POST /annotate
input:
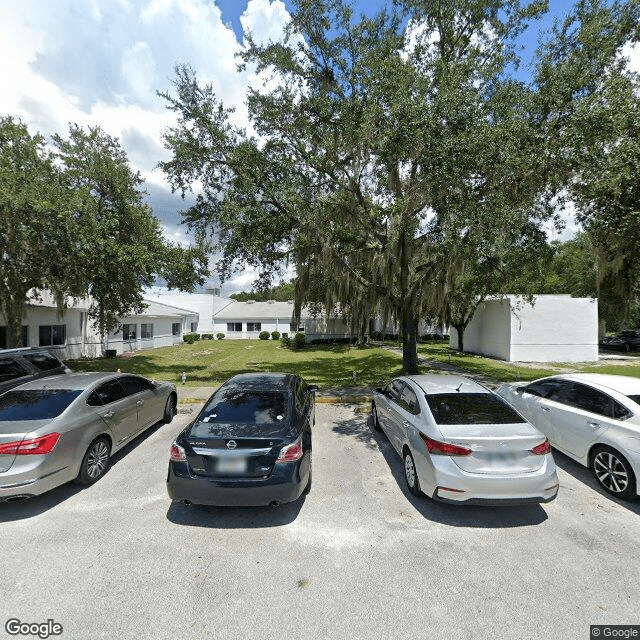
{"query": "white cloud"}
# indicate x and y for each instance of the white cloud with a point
(632, 53)
(138, 68)
(265, 20)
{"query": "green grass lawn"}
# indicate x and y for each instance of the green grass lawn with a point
(511, 372)
(211, 362)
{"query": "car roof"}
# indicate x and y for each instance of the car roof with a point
(67, 381)
(627, 385)
(446, 383)
(263, 381)
(18, 351)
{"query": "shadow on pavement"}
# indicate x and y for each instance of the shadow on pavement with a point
(454, 515)
(586, 476)
(234, 517)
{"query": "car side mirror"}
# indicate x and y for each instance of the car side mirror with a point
(520, 389)
(312, 387)
(379, 390)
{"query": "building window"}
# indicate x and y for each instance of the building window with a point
(292, 328)
(128, 331)
(146, 331)
(234, 326)
(175, 329)
(52, 335)
(254, 326)
(194, 327)
(24, 337)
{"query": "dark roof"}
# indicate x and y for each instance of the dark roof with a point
(263, 381)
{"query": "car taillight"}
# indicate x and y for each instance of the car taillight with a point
(177, 453)
(36, 447)
(291, 452)
(442, 448)
(541, 449)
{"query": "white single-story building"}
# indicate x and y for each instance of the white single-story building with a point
(72, 334)
(557, 328)
(248, 319)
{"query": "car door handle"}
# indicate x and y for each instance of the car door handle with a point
(594, 425)
(405, 424)
(545, 408)
(140, 403)
(109, 414)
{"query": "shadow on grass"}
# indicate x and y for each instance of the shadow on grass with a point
(10, 511)
(473, 516)
(234, 517)
(586, 476)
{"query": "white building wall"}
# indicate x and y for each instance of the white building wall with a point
(276, 324)
(489, 331)
(555, 329)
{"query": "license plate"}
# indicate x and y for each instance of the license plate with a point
(231, 465)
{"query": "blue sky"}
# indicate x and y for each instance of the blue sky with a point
(102, 61)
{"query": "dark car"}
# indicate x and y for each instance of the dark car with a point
(18, 366)
(624, 341)
(249, 446)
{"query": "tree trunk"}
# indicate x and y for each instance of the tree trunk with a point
(460, 328)
(409, 343)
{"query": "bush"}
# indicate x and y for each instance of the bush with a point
(263, 335)
(299, 341)
(207, 336)
(191, 337)
(275, 335)
(220, 336)
(285, 341)
(285, 334)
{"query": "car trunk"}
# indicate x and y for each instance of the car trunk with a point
(235, 450)
(501, 449)
(15, 431)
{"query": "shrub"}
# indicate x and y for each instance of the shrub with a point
(299, 341)
(191, 337)
(285, 341)
(207, 336)
(220, 336)
(264, 335)
(275, 335)
(285, 334)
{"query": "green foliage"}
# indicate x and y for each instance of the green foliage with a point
(264, 335)
(299, 341)
(207, 336)
(275, 335)
(220, 336)
(190, 338)
(285, 341)
(282, 292)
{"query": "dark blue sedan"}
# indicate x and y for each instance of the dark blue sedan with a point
(249, 446)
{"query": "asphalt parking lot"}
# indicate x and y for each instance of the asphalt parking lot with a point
(358, 558)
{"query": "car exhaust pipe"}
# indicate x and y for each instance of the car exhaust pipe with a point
(16, 498)
(274, 503)
(186, 503)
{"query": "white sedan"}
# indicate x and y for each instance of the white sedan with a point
(461, 443)
(593, 418)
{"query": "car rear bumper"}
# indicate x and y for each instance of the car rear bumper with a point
(285, 484)
(31, 481)
(448, 483)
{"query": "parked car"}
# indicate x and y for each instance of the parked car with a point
(249, 446)
(66, 428)
(624, 341)
(18, 366)
(593, 418)
(461, 443)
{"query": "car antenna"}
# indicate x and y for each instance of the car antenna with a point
(458, 387)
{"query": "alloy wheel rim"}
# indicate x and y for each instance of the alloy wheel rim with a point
(409, 470)
(97, 460)
(610, 472)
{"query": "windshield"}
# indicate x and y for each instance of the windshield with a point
(471, 408)
(35, 404)
(635, 398)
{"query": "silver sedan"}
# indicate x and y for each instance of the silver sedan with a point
(66, 427)
(593, 418)
(461, 443)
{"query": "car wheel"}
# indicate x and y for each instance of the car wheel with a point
(95, 462)
(410, 473)
(613, 473)
(627, 348)
(307, 489)
(170, 409)
(374, 415)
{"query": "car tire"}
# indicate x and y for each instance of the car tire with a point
(410, 474)
(170, 409)
(613, 473)
(96, 462)
(374, 415)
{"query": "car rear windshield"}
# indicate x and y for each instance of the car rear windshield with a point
(35, 404)
(471, 408)
(248, 407)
